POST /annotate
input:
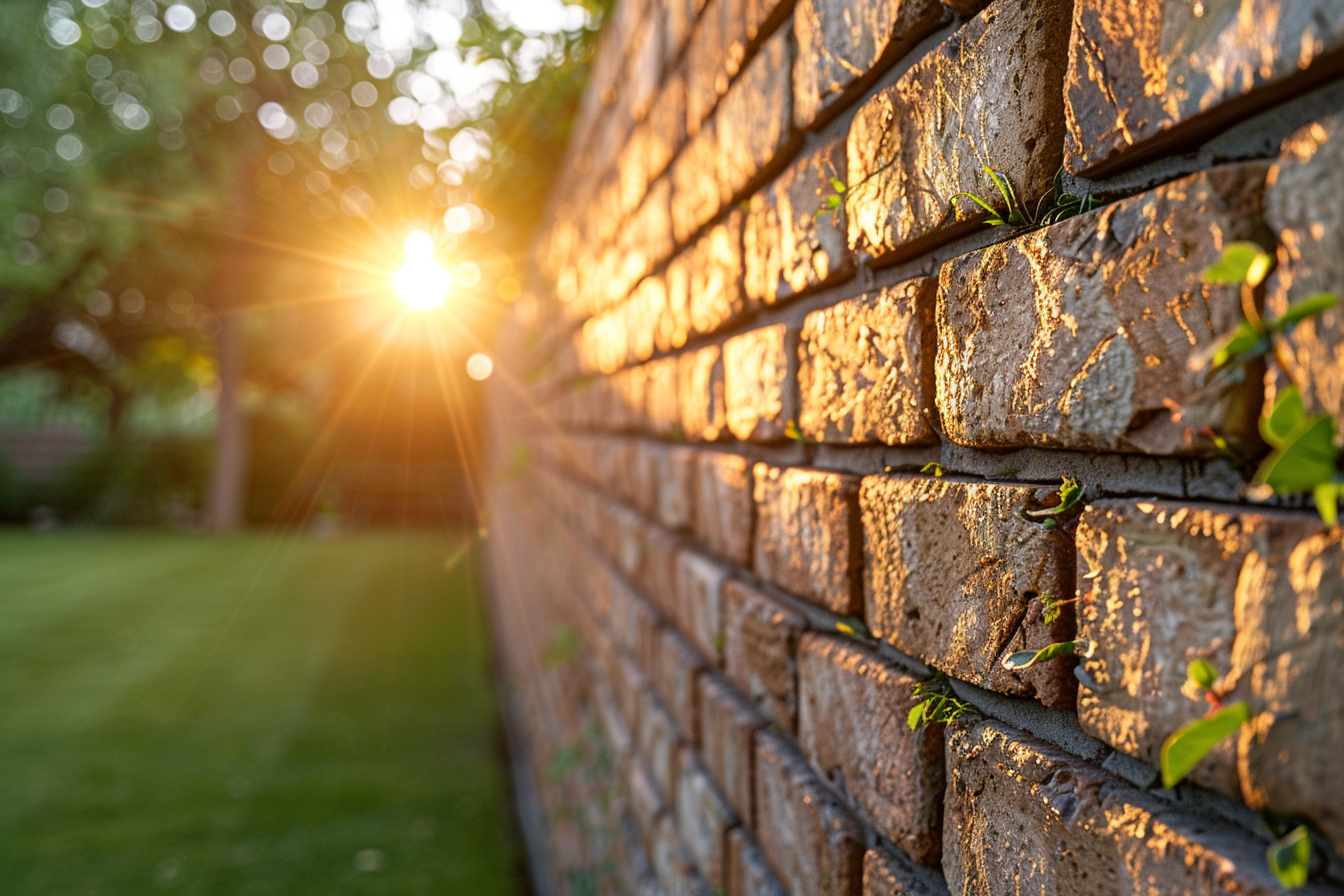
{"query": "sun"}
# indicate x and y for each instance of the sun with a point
(422, 283)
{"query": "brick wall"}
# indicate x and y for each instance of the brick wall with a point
(719, 558)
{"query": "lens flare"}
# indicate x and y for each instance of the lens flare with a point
(479, 366)
(422, 282)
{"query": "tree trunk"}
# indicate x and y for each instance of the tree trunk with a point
(228, 481)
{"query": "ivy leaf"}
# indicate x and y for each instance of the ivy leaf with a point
(1304, 308)
(1289, 857)
(1305, 458)
(1326, 495)
(1244, 344)
(1240, 262)
(1025, 659)
(1287, 414)
(1202, 674)
(1184, 747)
(915, 716)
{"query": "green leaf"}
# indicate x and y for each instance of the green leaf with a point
(933, 467)
(792, 431)
(915, 716)
(1305, 459)
(1183, 749)
(1202, 673)
(1239, 261)
(1070, 493)
(1288, 413)
(837, 185)
(978, 201)
(1242, 345)
(1308, 307)
(1326, 495)
(1025, 659)
(1289, 857)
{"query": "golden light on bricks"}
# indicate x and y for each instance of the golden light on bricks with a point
(422, 283)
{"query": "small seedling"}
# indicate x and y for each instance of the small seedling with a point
(792, 431)
(832, 203)
(854, 628)
(1056, 205)
(1016, 214)
(1025, 659)
(935, 703)
(934, 468)
(1185, 747)
(1305, 457)
(1289, 857)
(1052, 607)
(1070, 492)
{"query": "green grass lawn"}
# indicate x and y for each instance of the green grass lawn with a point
(251, 715)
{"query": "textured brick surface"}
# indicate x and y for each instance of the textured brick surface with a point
(656, 741)
(1304, 203)
(852, 711)
(1145, 78)
(700, 602)
(728, 724)
(757, 392)
(1082, 335)
(672, 865)
(761, 650)
(716, 296)
(696, 195)
(700, 394)
(810, 839)
(953, 574)
(792, 242)
(807, 535)
(753, 123)
(724, 508)
(679, 666)
(866, 368)
(703, 819)
(1261, 595)
(842, 44)
(1010, 796)
(749, 873)
(886, 873)
(989, 95)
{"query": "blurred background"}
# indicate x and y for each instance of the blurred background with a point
(252, 258)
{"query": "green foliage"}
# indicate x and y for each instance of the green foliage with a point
(1305, 457)
(1241, 262)
(1052, 607)
(1202, 674)
(1025, 659)
(1289, 857)
(935, 703)
(1069, 493)
(1015, 214)
(855, 628)
(151, 480)
(934, 468)
(832, 203)
(1183, 749)
(564, 646)
(792, 431)
(1055, 206)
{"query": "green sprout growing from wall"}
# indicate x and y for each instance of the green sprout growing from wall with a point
(832, 202)
(1056, 205)
(1025, 659)
(935, 703)
(1069, 493)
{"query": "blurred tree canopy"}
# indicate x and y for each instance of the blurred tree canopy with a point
(172, 168)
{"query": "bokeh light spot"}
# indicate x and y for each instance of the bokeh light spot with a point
(479, 366)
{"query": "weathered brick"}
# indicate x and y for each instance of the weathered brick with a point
(866, 368)
(807, 535)
(656, 742)
(673, 328)
(700, 602)
(810, 839)
(761, 651)
(1261, 595)
(990, 95)
(758, 394)
(792, 242)
(1304, 204)
(753, 123)
(1144, 80)
(675, 469)
(661, 410)
(629, 683)
(842, 45)
(728, 724)
(1086, 334)
(1026, 817)
(703, 819)
(679, 667)
(644, 66)
(647, 804)
(852, 710)
(724, 509)
(885, 873)
(676, 875)
(717, 48)
(700, 394)
(696, 194)
(748, 872)
(716, 296)
(665, 128)
(953, 572)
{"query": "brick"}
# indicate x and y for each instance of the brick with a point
(666, 125)
(728, 724)
(808, 537)
(843, 44)
(749, 873)
(672, 866)
(700, 602)
(761, 651)
(1118, 317)
(696, 194)
(1258, 593)
(753, 123)
(661, 409)
(634, 872)
(1145, 81)
(714, 56)
(812, 842)
(675, 468)
(642, 477)
(673, 327)
(716, 296)
(634, 621)
(679, 667)
(1304, 204)
(642, 312)
(991, 94)
(792, 242)
(703, 819)
(866, 368)
(656, 742)
(724, 508)
(644, 66)
(629, 683)
(887, 872)
(952, 575)
(700, 394)
(1026, 817)
(852, 710)
(757, 390)
(647, 803)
